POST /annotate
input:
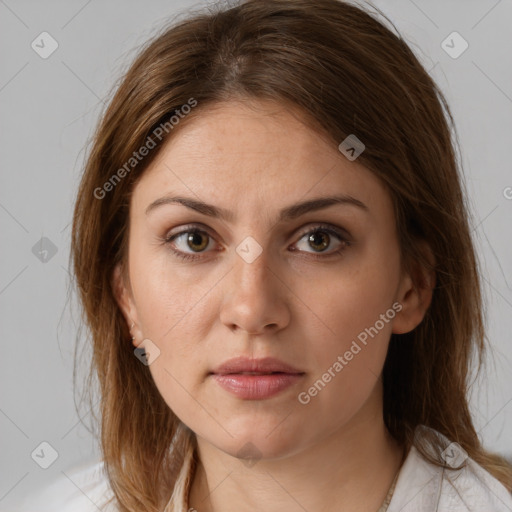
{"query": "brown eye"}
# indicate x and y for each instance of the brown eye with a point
(189, 244)
(319, 240)
(197, 240)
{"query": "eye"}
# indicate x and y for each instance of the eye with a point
(198, 240)
(195, 239)
(320, 238)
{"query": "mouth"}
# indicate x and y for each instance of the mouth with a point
(256, 379)
(255, 373)
(248, 366)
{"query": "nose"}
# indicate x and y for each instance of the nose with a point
(255, 297)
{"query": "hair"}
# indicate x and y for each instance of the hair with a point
(346, 73)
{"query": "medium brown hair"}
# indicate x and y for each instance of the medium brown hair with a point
(348, 74)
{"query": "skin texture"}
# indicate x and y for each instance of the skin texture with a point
(334, 453)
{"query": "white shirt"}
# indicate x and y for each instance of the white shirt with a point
(421, 487)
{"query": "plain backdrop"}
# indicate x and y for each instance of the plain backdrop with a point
(48, 110)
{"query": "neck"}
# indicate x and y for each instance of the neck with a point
(350, 470)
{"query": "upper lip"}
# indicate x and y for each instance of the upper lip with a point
(245, 364)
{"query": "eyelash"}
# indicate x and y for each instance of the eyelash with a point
(324, 228)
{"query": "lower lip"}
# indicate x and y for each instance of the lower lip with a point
(256, 387)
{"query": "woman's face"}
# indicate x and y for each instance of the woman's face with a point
(261, 284)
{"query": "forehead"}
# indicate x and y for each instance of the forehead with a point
(254, 156)
(249, 138)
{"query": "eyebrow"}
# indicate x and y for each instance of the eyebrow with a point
(286, 214)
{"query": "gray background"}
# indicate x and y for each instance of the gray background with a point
(49, 108)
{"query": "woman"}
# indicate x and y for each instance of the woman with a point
(272, 249)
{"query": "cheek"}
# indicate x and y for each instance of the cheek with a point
(357, 314)
(171, 312)
(179, 391)
(168, 294)
(346, 365)
(353, 300)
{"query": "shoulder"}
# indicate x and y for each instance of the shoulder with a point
(82, 488)
(423, 486)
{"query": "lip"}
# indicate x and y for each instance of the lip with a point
(246, 364)
(256, 379)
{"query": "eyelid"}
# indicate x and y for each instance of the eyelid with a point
(330, 228)
(187, 228)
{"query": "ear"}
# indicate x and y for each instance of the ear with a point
(124, 298)
(415, 292)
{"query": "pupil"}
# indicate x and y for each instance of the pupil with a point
(194, 238)
(313, 238)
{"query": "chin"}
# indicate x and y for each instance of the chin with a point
(251, 449)
(263, 440)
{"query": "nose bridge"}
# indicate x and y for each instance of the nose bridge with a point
(252, 264)
(253, 300)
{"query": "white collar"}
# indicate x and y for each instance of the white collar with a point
(424, 487)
